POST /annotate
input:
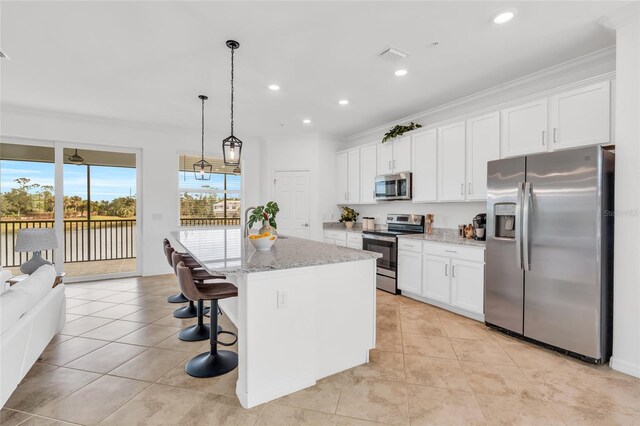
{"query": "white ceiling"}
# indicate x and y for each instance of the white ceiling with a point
(148, 61)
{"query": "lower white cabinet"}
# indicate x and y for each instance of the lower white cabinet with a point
(447, 275)
(343, 239)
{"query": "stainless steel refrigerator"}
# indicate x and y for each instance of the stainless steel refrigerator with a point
(549, 268)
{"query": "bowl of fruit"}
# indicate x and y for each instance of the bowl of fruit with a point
(262, 241)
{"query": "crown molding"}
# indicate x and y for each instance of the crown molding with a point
(622, 16)
(530, 80)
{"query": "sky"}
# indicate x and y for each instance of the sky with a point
(107, 183)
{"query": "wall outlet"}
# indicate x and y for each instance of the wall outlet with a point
(283, 299)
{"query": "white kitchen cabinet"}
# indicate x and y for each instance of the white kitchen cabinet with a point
(410, 271)
(435, 284)
(524, 129)
(338, 238)
(483, 145)
(402, 154)
(451, 162)
(385, 158)
(353, 176)
(425, 166)
(368, 172)
(342, 175)
(580, 117)
(467, 285)
(354, 240)
(394, 156)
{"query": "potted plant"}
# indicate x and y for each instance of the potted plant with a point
(348, 217)
(400, 130)
(266, 214)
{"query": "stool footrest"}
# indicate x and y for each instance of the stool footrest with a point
(230, 333)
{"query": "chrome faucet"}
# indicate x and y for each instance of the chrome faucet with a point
(246, 220)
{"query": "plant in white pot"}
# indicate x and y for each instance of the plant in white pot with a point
(348, 217)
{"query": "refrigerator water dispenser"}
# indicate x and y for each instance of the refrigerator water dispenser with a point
(505, 220)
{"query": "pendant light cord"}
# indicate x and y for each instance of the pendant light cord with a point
(202, 150)
(232, 51)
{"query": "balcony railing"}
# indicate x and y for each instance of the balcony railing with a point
(84, 241)
(209, 221)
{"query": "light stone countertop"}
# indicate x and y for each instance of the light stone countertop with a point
(442, 235)
(224, 250)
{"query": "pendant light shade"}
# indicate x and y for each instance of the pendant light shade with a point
(75, 158)
(202, 169)
(232, 146)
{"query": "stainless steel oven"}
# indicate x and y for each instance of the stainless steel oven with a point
(393, 187)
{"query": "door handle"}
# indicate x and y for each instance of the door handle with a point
(446, 270)
(469, 188)
(390, 165)
(554, 135)
(462, 189)
(518, 225)
(543, 137)
(453, 271)
(526, 213)
(306, 225)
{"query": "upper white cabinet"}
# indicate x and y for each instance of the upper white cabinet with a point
(483, 145)
(451, 162)
(348, 174)
(394, 156)
(580, 117)
(425, 166)
(524, 129)
(368, 164)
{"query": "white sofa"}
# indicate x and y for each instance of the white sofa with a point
(4, 276)
(31, 313)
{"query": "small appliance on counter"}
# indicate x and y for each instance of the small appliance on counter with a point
(479, 226)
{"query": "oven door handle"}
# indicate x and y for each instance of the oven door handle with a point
(378, 238)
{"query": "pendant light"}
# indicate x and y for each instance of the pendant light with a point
(202, 169)
(75, 158)
(232, 146)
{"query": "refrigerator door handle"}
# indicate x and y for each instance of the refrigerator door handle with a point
(518, 225)
(526, 217)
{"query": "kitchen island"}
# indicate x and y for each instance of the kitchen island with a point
(305, 310)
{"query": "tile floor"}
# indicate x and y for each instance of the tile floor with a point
(118, 362)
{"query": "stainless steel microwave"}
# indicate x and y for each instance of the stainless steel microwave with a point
(393, 187)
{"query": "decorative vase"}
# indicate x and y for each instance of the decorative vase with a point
(267, 228)
(349, 225)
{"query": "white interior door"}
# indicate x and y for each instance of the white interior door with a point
(291, 192)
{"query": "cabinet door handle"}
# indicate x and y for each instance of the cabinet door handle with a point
(451, 251)
(389, 164)
(462, 189)
(453, 271)
(554, 136)
(345, 196)
(394, 164)
(543, 132)
(446, 270)
(469, 188)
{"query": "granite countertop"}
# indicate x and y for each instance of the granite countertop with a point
(441, 235)
(337, 226)
(224, 250)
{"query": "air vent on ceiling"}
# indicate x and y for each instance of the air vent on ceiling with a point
(394, 54)
(4, 55)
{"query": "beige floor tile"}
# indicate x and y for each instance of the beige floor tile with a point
(95, 294)
(118, 311)
(149, 335)
(429, 327)
(90, 308)
(375, 400)
(107, 358)
(221, 410)
(279, 415)
(420, 344)
(583, 416)
(383, 298)
(39, 390)
(435, 372)
(72, 349)
(72, 290)
(499, 410)
(323, 396)
(503, 380)
(528, 356)
(388, 325)
(157, 405)
(12, 418)
(350, 421)
(113, 330)
(94, 402)
(148, 315)
(72, 317)
(120, 297)
(382, 365)
(433, 406)
(177, 322)
(43, 421)
(226, 385)
(148, 300)
(485, 351)
(389, 341)
(59, 338)
(73, 303)
(150, 365)
(464, 328)
(174, 343)
(177, 376)
(38, 369)
(82, 325)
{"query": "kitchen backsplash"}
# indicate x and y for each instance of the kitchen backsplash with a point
(447, 215)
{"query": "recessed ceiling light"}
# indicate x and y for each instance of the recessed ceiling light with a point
(400, 73)
(503, 17)
(343, 102)
(306, 121)
(274, 87)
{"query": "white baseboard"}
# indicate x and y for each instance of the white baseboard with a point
(625, 367)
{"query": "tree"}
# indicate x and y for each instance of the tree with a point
(19, 201)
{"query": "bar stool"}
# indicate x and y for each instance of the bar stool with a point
(213, 363)
(189, 311)
(176, 298)
(200, 331)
